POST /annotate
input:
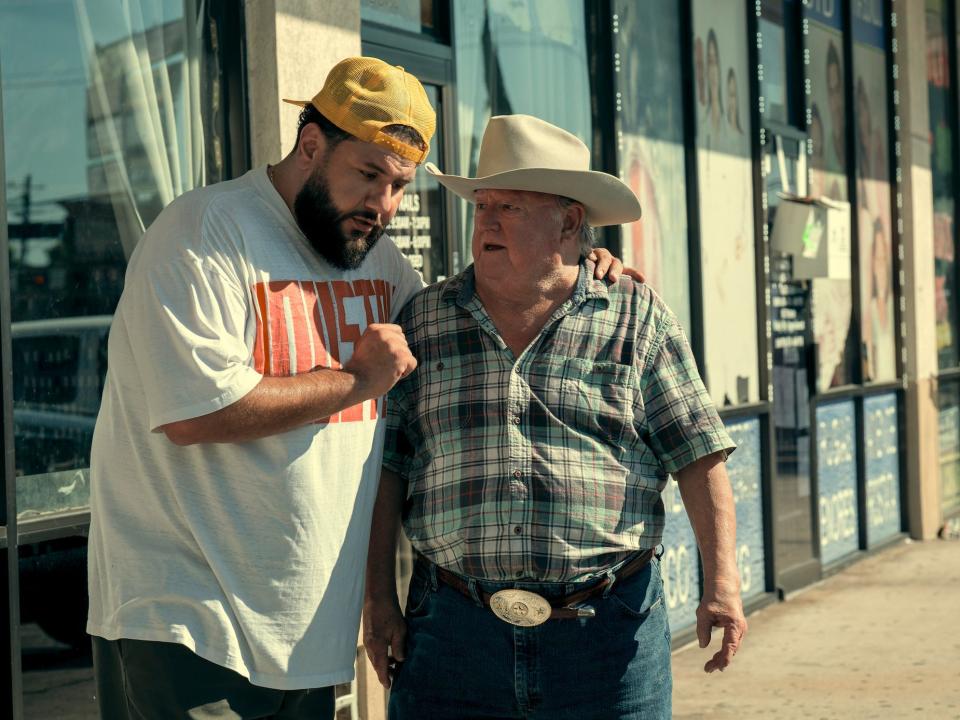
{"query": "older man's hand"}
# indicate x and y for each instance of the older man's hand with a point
(721, 608)
(384, 636)
(610, 267)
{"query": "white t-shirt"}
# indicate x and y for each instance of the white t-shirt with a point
(251, 554)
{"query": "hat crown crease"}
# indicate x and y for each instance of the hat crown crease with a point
(510, 146)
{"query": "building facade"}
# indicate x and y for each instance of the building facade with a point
(796, 161)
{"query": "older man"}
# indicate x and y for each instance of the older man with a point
(526, 455)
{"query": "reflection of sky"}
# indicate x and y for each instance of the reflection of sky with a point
(44, 75)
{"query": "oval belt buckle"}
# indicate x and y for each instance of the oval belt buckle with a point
(520, 607)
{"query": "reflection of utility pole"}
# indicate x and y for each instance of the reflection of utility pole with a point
(26, 197)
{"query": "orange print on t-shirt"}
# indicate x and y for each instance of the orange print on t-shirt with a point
(303, 325)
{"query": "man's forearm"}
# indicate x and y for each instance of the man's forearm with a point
(275, 405)
(708, 499)
(384, 531)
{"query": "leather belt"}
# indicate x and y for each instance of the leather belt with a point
(520, 607)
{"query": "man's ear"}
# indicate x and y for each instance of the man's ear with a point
(312, 144)
(574, 215)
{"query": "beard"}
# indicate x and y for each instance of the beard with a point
(321, 222)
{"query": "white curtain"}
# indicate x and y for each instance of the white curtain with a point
(145, 135)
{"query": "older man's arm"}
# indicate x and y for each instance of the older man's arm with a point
(384, 629)
(708, 499)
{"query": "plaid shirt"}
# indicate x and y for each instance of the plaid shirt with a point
(546, 467)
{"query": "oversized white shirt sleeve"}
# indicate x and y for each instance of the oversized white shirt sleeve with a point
(186, 322)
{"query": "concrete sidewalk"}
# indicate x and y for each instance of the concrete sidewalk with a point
(881, 639)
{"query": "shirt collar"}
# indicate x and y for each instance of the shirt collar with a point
(462, 288)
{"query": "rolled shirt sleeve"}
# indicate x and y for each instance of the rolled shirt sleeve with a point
(682, 421)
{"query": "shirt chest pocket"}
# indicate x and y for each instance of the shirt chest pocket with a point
(597, 399)
(448, 398)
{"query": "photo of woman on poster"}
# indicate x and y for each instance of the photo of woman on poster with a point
(724, 169)
(714, 97)
(834, 334)
(733, 103)
(877, 326)
(651, 156)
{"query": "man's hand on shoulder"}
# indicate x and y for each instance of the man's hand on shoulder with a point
(721, 607)
(610, 267)
(384, 636)
(380, 359)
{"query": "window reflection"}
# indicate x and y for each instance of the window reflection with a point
(515, 57)
(651, 157)
(108, 116)
(941, 166)
(832, 298)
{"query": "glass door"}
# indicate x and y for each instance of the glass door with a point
(794, 361)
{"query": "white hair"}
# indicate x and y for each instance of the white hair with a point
(588, 236)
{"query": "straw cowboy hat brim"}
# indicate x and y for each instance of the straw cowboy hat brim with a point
(521, 152)
(605, 197)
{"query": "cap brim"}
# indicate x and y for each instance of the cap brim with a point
(298, 103)
(607, 199)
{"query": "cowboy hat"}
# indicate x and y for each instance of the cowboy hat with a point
(520, 152)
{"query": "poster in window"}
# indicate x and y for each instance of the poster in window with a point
(826, 117)
(939, 99)
(724, 170)
(878, 323)
(650, 151)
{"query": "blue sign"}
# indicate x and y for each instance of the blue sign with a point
(868, 25)
(680, 562)
(825, 12)
(837, 478)
(745, 473)
(882, 453)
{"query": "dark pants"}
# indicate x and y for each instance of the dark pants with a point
(139, 680)
(462, 662)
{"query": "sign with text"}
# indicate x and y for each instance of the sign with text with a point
(680, 562)
(837, 476)
(882, 453)
(744, 470)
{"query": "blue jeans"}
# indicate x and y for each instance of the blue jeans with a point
(463, 662)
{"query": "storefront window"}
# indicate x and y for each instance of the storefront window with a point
(416, 16)
(108, 110)
(826, 123)
(949, 420)
(941, 166)
(774, 77)
(650, 153)
(874, 220)
(418, 228)
(512, 57)
(725, 178)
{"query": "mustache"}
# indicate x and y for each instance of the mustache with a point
(370, 217)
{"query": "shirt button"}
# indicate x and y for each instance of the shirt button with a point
(439, 366)
(517, 474)
(517, 530)
(519, 573)
(516, 420)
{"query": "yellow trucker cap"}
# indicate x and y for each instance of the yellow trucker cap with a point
(362, 95)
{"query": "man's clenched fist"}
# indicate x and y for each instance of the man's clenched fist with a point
(380, 359)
